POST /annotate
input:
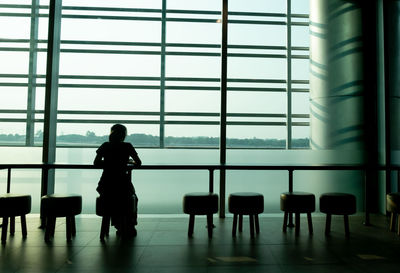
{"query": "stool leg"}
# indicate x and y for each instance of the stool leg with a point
(4, 230)
(53, 226)
(209, 225)
(50, 228)
(297, 223)
(12, 225)
(310, 226)
(290, 224)
(257, 224)
(69, 229)
(285, 219)
(240, 222)
(346, 225)
(191, 225)
(392, 220)
(23, 226)
(398, 225)
(47, 229)
(73, 226)
(251, 218)
(234, 225)
(328, 224)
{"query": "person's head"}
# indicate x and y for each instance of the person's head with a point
(118, 133)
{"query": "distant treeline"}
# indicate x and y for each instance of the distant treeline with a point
(145, 140)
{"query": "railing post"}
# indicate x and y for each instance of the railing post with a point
(8, 180)
(290, 224)
(366, 199)
(211, 180)
(398, 180)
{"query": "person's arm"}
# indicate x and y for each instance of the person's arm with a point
(136, 159)
(133, 154)
(98, 161)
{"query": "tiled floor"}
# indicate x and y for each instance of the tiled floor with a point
(162, 245)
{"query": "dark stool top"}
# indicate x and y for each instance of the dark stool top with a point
(246, 203)
(393, 202)
(337, 203)
(14, 204)
(200, 203)
(300, 202)
(109, 208)
(61, 205)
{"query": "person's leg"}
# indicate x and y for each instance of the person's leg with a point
(134, 218)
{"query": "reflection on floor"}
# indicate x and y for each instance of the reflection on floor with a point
(162, 245)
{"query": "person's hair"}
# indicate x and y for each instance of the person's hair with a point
(118, 133)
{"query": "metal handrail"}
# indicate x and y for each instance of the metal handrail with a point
(212, 168)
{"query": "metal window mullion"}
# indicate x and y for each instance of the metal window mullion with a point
(223, 113)
(162, 73)
(30, 117)
(289, 75)
(51, 95)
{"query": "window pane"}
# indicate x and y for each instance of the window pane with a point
(256, 102)
(191, 131)
(115, 3)
(194, 33)
(185, 66)
(13, 97)
(270, 6)
(300, 36)
(300, 69)
(256, 136)
(12, 133)
(194, 101)
(301, 136)
(17, 27)
(253, 34)
(93, 134)
(301, 103)
(14, 62)
(108, 100)
(111, 30)
(107, 64)
(300, 6)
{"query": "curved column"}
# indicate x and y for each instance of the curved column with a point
(336, 75)
(338, 93)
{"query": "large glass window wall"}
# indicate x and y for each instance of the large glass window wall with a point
(155, 66)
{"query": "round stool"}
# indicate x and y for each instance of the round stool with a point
(298, 202)
(393, 206)
(106, 210)
(246, 203)
(200, 203)
(58, 205)
(12, 205)
(337, 204)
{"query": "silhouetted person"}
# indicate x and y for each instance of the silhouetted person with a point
(115, 185)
